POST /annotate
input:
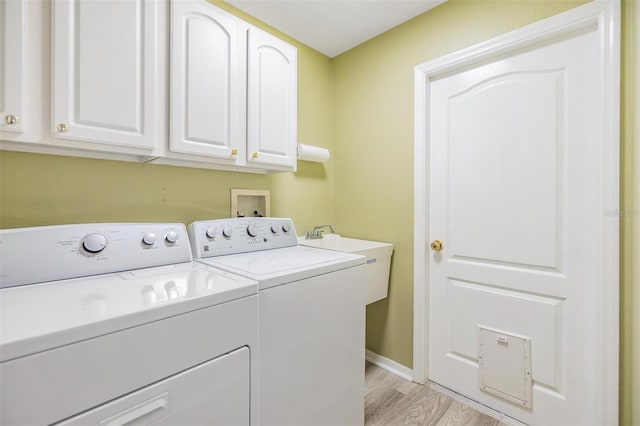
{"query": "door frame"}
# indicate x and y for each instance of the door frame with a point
(604, 15)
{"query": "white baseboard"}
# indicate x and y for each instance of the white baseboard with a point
(389, 365)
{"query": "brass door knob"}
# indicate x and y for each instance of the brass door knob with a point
(436, 245)
(234, 152)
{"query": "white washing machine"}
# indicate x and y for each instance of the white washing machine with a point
(114, 324)
(311, 320)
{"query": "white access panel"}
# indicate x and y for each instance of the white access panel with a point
(504, 361)
(222, 398)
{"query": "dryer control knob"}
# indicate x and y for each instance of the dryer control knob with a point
(252, 230)
(274, 229)
(211, 232)
(94, 243)
(286, 228)
(227, 231)
(149, 238)
(171, 237)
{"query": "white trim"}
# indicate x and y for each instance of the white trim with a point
(606, 15)
(609, 309)
(421, 216)
(389, 365)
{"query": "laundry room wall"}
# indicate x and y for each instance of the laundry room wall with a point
(40, 190)
(361, 106)
(373, 151)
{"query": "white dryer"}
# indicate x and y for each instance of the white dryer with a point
(311, 321)
(115, 324)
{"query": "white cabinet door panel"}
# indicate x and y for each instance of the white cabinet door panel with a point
(104, 71)
(207, 81)
(272, 101)
(12, 67)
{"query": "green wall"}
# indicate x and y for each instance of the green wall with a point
(630, 216)
(373, 139)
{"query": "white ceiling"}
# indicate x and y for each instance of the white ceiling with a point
(334, 26)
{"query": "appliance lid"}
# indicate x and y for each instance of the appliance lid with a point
(279, 266)
(42, 316)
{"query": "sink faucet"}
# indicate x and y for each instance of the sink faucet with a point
(316, 234)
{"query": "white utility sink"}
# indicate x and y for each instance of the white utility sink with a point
(378, 260)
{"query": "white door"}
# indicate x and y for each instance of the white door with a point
(12, 65)
(104, 71)
(516, 190)
(208, 80)
(272, 101)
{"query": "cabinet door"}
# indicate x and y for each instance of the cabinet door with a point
(12, 65)
(207, 81)
(104, 71)
(272, 101)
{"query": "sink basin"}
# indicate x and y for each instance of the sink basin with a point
(378, 256)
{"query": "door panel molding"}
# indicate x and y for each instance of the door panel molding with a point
(604, 18)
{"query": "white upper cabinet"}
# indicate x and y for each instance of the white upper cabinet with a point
(233, 93)
(178, 82)
(12, 65)
(104, 71)
(207, 82)
(272, 101)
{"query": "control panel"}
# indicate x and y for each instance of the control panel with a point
(48, 253)
(240, 235)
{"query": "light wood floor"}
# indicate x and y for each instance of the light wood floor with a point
(391, 400)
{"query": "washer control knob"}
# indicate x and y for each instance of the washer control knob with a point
(286, 228)
(149, 238)
(171, 237)
(274, 229)
(211, 232)
(94, 243)
(252, 230)
(227, 231)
